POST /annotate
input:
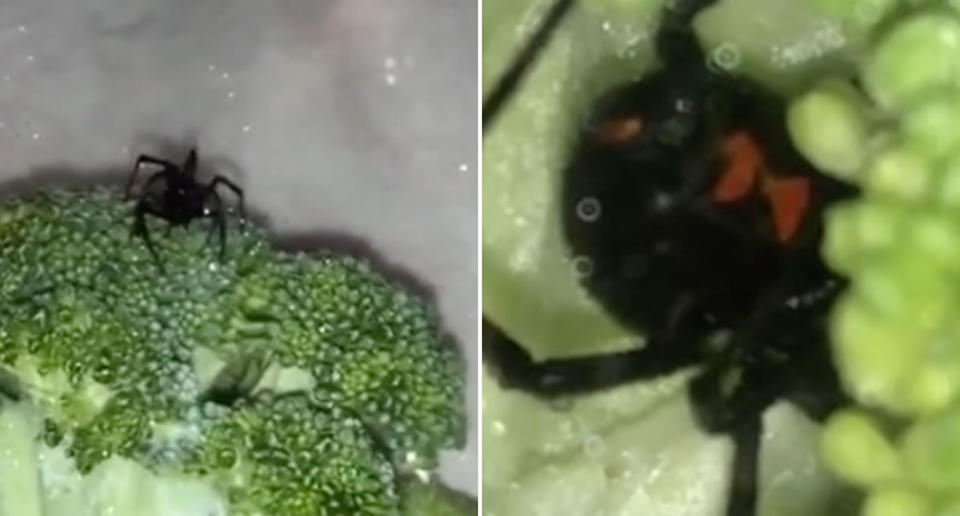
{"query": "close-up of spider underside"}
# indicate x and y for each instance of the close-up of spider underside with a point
(700, 228)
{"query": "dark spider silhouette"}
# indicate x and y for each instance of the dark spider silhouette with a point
(702, 225)
(174, 194)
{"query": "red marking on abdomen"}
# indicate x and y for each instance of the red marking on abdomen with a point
(789, 199)
(744, 161)
(620, 130)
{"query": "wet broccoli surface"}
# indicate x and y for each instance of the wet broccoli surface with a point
(292, 383)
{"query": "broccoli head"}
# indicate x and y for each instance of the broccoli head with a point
(290, 384)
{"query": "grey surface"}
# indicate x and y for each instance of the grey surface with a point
(356, 117)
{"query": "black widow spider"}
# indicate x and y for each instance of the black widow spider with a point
(174, 194)
(701, 226)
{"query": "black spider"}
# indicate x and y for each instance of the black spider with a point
(174, 194)
(697, 224)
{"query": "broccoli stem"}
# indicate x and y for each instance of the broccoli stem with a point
(20, 493)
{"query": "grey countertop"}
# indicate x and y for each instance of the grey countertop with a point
(351, 118)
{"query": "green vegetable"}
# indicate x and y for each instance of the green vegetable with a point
(856, 448)
(896, 335)
(271, 383)
(638, 450)
(931, 451)
(858, 15)
(896, 502)
(914, 58)
(827, 125)
(930, 126)
(901, 173)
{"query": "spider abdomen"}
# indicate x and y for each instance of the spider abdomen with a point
(685, 235)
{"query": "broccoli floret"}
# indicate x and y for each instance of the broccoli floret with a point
(295, 455)
(895, 332)
(291, 383)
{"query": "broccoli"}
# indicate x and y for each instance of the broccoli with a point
(896, 337)
(267, 383)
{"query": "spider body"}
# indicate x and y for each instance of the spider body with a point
(695, 222)
(175, 195)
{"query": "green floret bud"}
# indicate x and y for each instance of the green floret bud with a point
(931, 127)
(859, 14)
(872, 358)
(931, 451)
(917, 56)
(895, 335)
(861, 231)
(829, 126)
(853, 445)
(896, 502)
(119, 430)
(899, 173)
(293, 384)
(948, 189)
(949, 508)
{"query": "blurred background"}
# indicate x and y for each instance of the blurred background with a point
(349, 123)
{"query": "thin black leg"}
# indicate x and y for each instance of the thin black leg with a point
(816, 388)
(143, 209)
(561, 377)
(686, 10)
(190, 164)
(221, 180)
(218, 223)
(221, 222)
(735, 389)
(676, 42)
(140, 230)
(743, 478)
(141, 160)
(511, 79)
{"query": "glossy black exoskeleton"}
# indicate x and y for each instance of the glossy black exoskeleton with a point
(174, 194)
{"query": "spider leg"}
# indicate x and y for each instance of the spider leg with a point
(141, 160)
(514, 74)
(724, 395)
(685, 10)
(558, 377)
(219, 225)
(190, 164)
(816, 389)
(221, 180)
(751, 374)
(676, 42)
(808, 378)
(742, 499)
(140, 229)
(144, 208)
(222, 229)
